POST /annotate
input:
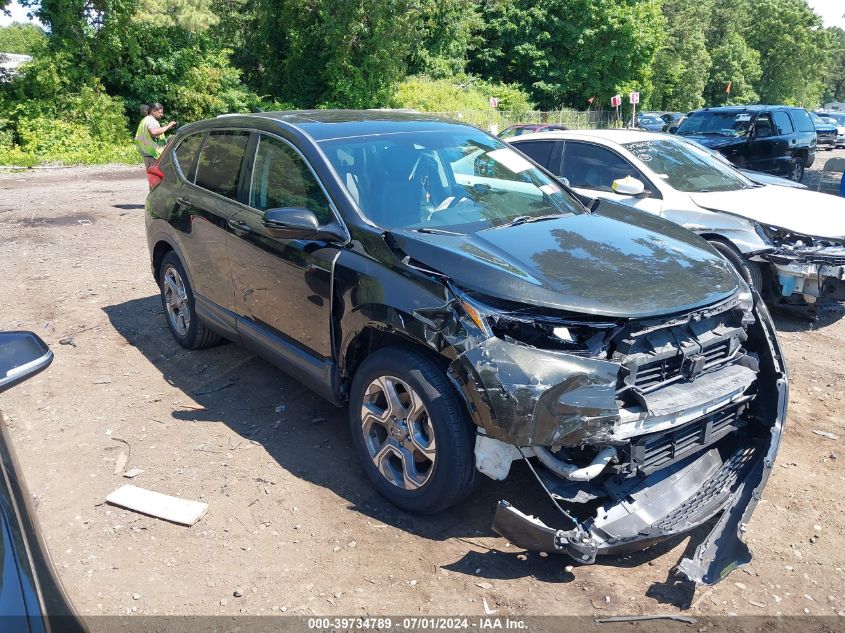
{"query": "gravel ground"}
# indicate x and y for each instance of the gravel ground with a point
(293, 527)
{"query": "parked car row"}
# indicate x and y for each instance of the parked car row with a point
(470, 311)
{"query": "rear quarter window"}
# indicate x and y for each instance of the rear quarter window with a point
(186, 154)
(802, 120)
(538, 151)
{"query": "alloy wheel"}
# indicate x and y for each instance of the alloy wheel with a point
(398, 432)
(176, 301)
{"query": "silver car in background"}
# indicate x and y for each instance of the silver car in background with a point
(789, 243)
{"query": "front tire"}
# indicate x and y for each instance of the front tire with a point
(177, 298)
(748, 270)
(411, 431)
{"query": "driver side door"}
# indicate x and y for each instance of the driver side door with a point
(283, 286)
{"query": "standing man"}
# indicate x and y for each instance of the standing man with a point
(150, 133)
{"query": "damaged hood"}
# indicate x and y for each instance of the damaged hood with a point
(805, 212)
(616, 262)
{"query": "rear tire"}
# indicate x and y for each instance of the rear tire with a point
(411, 431)
(177, 299)
(748, 270)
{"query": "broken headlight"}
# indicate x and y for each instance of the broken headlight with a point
(522, 325)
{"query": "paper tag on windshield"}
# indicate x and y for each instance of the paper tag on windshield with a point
(510, 160)
(743, 117)
(550, 189)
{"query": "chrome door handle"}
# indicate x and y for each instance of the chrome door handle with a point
(239, 227)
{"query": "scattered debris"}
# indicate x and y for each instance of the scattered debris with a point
(156, 504)
(120, 464)
(132, 473)
(238, 593)
(642, 618)
(102, 380)
(484, 585)
(215, 390)
(825, 434)
(67, 340)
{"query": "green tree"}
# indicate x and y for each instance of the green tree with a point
(26, 39)
(835, 80)
(793, 49)
(446, 31)
(734, 62)
(334, 53)
(566, 51)
(681, 66)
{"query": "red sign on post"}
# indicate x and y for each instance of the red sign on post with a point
(615, 101)
(634, 98)
(494, 102)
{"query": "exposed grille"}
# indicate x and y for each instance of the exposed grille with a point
(826, 134)
(830, 260)
(650, 452)
(655, 373)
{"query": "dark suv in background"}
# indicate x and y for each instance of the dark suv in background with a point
(778, 140)
(471, 312)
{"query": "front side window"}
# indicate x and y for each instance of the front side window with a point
(716, 124)
(783, 124)
(763, 126)
(593, 167)
(186, 154)
(688, 168)
(282, 179)
(219, 163)
(458, 179)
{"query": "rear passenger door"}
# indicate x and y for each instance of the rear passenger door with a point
(282, 286)
(786, 145)
(205, 206)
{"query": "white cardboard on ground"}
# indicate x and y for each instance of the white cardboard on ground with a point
(159, 505)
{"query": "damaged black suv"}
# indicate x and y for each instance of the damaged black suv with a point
(472, 312)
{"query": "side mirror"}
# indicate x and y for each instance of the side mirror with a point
(298, 223)
(22, 355)
(628, 186)
(564, 181)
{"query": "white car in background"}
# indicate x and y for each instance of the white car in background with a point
(789, 243)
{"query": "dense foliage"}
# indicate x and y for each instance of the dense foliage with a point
(77, 101)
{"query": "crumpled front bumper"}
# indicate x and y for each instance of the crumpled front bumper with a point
(724, 480)
(816, 281)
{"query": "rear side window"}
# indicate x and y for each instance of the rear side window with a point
(281, 178)
(186, 155)
(802, 120)
(219, 164)
(539, 151)
(782, 123)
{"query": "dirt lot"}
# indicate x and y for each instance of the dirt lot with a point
(292, 524)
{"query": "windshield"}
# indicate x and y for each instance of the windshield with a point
(717, 123)
(817, 120)
(458, 180)
(837, 119)
(687, 168)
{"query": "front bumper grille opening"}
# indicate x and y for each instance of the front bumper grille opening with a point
(651, 375)
(652, 452)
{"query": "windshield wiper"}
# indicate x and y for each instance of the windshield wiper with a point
(425, 229)
(526, 219)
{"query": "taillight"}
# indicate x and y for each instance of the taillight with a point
(154, 176)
